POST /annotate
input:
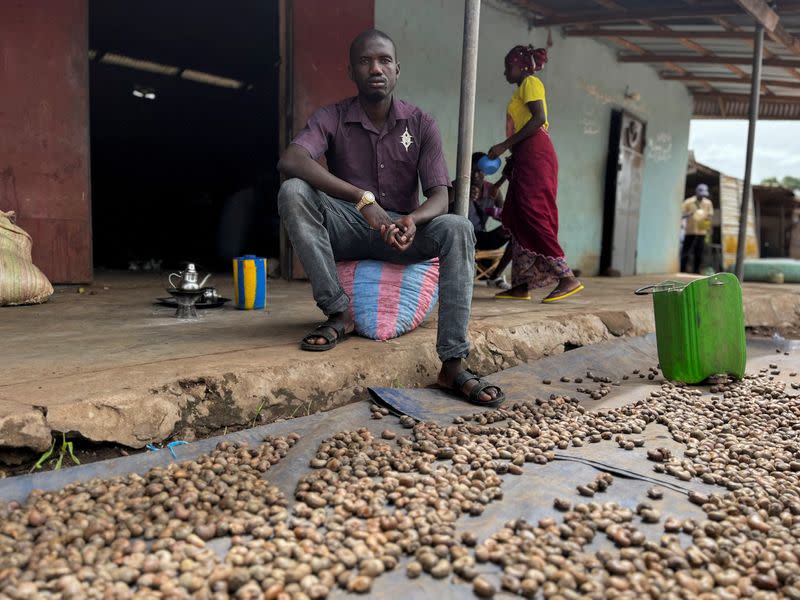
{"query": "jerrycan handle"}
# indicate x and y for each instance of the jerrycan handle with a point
(664, 286)
(646, 290)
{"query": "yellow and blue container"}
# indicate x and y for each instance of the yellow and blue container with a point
(250, 282)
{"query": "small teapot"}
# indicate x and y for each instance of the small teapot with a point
(187, 280)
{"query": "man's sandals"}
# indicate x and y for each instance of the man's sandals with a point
(474, 394)
(333, 333)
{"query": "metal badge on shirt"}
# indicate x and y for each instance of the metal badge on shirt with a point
(406, 139)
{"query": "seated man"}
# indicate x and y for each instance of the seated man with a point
(486, 200)
(366, 206)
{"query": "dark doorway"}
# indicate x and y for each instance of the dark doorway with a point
(623, 195)
(184, 131)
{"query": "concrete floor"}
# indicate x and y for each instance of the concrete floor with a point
(111, 366)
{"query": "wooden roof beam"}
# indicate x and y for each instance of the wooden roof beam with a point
(615, 16)
(536, 7)
(613, 5)
(731, 27)
(709, 60)
(746, 97)
(710, 9)
(761, 12)
(662, 34)
(692, 45)
(631, 46)
(737, 106)
(684, 40)
(728, 80)
(531, 9)
(721, 105)
(783, 37)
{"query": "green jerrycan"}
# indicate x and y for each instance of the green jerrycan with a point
(699, 327)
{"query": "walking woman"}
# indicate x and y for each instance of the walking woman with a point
(530, 213)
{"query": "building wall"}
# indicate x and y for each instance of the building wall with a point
(730, 198)
(322, 32)
(44, 125)
(584, 83)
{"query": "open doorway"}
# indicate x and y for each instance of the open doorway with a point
(184, 131)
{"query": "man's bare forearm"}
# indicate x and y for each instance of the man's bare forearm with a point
(297, 162)
(435, 206)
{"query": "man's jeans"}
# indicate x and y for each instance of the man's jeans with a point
(693, 248)
(324, 229)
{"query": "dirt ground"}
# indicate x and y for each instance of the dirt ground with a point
(790, 332)
(114, 371)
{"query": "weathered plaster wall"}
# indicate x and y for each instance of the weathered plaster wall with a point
(44, 131)
(584, 83)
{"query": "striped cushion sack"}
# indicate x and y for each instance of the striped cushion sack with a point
(21, 282)
(388, 300)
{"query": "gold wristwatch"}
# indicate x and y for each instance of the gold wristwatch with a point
(367, 198)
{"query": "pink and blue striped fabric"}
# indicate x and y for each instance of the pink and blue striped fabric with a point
(388, 300)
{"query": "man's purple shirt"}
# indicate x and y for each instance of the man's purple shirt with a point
(389, 163)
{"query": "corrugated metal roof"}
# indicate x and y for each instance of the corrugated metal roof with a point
(714, 30)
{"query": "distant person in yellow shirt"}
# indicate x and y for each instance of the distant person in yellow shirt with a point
(697, 211)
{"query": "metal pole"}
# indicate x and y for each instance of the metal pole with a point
(466, 113)
(747, 192)
(783, 230)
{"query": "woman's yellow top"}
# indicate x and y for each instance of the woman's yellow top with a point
(518, 113)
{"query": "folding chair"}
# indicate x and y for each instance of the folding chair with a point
(486, 261)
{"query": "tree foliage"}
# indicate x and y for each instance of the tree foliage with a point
(788, 182)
